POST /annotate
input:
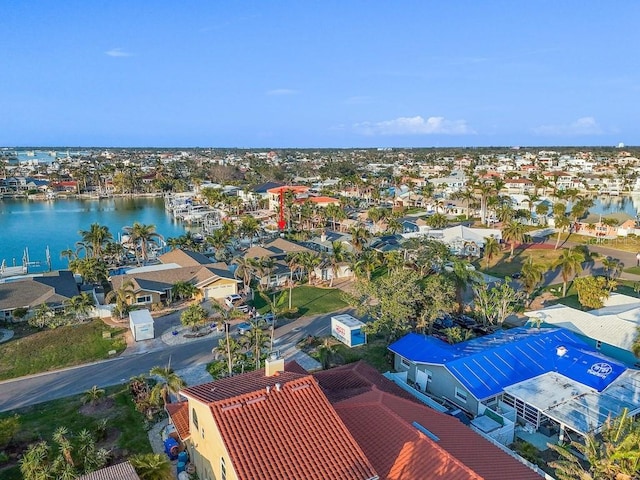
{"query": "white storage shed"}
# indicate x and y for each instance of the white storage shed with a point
(141, 324)
(348, 330)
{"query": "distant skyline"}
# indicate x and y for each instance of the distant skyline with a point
(252, 74)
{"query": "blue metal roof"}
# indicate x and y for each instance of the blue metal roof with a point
(486, 365)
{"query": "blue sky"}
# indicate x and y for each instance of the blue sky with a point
(319, 73)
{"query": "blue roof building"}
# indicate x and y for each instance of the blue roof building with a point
(481, 370)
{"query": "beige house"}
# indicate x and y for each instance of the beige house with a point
(152, 284)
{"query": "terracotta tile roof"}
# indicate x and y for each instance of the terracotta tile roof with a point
(354, 379)
(397, 449)
(179, 413)
(291, 432)
(458, 441)
(230, 387)
(121, 471)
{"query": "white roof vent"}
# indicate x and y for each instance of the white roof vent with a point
(561, 351)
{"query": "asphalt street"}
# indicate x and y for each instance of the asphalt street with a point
(25, 391)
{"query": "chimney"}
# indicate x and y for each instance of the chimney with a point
(273, 365)
(277, 387)
(323, 237)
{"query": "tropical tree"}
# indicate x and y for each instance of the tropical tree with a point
(249, 227)
(359, 237)
(277, 308)
(570, 263)
(337, 257)
(494, 304)
(79, 305)
(169, 384)
(635, 347)
(244, 270)
(364, 263)
(309, 261)
(93, 395)
(592, 291)
(491, 249)
(612, 267)
(437, 221)
(327, 352)
(614, 455)
(513, 232)
(97, 236)
(457, 334)
(152, 466)
(183, 289)
(193, 316)
(532, 275)
(463, 275)
(141, 236)
(124, 296)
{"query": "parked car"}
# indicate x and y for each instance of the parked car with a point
(267, 318)
(465, 321)
(441, 323)
(233, 299)
(244, 327)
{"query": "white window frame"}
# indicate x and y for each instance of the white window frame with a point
(461, 395)
(405, 363)
(144, 299)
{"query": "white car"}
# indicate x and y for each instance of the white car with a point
(232, 300)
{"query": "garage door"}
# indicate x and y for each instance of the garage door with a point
(219, 291)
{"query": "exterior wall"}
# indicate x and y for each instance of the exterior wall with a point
(155, 297)
(206, 447)
(442, 384)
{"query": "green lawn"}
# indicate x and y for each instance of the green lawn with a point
(308, 300)
(503, 266)
(58, 348)
(126, 434)
(633, 270)
(375, 353)
(625, 287)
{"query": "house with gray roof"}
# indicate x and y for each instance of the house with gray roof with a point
(53, 289)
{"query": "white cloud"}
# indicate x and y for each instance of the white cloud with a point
(117, 52)
(415, 126)
(282, 91)
(582, 126)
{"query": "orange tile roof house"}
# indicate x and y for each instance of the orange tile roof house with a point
(409, 440)
(272, 426)
(345, 423)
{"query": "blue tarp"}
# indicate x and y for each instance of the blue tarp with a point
(486, 365)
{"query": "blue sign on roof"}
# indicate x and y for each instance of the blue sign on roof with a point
(486, 365)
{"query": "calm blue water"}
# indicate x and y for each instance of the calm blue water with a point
(55, 223)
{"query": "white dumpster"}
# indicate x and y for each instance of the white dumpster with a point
(348, 330)
(141, 324)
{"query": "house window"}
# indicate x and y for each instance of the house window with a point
(223, 469)
(143, 299)
(405, 362)
(194, 418)
(598, 344)
(461, 395)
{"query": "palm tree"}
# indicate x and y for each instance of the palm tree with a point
(152, 466)
(310, 260)
(79, 305)
(570, 263)
(561, 224)
(437, 221)
(359, 237)
(635, 347)
(169, 384)
(463, 275)
(612, 267)
(244, 270)
(141, 236)
(532, 275)
(249, 227)
(96, 237)
(336, 257)
(124, 296)
(194, 316)
(68, 254)
(183, 289)
(93, 395)
(468, 196)
(277, 308)
(491, 249)
(513, 233)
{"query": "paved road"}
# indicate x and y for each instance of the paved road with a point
(49, 386)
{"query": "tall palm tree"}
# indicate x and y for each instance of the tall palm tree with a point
(249, 227)
(561, 224)
(468, 196)
(570, 263)
(244, 270)
(491, 249)
(532, 275)
(169, 384)
(359, 237)
(365, 263)
(336, 257)
(513, 233)
(463, 276)
(141, 236)
(96, 237)
(310, 260)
